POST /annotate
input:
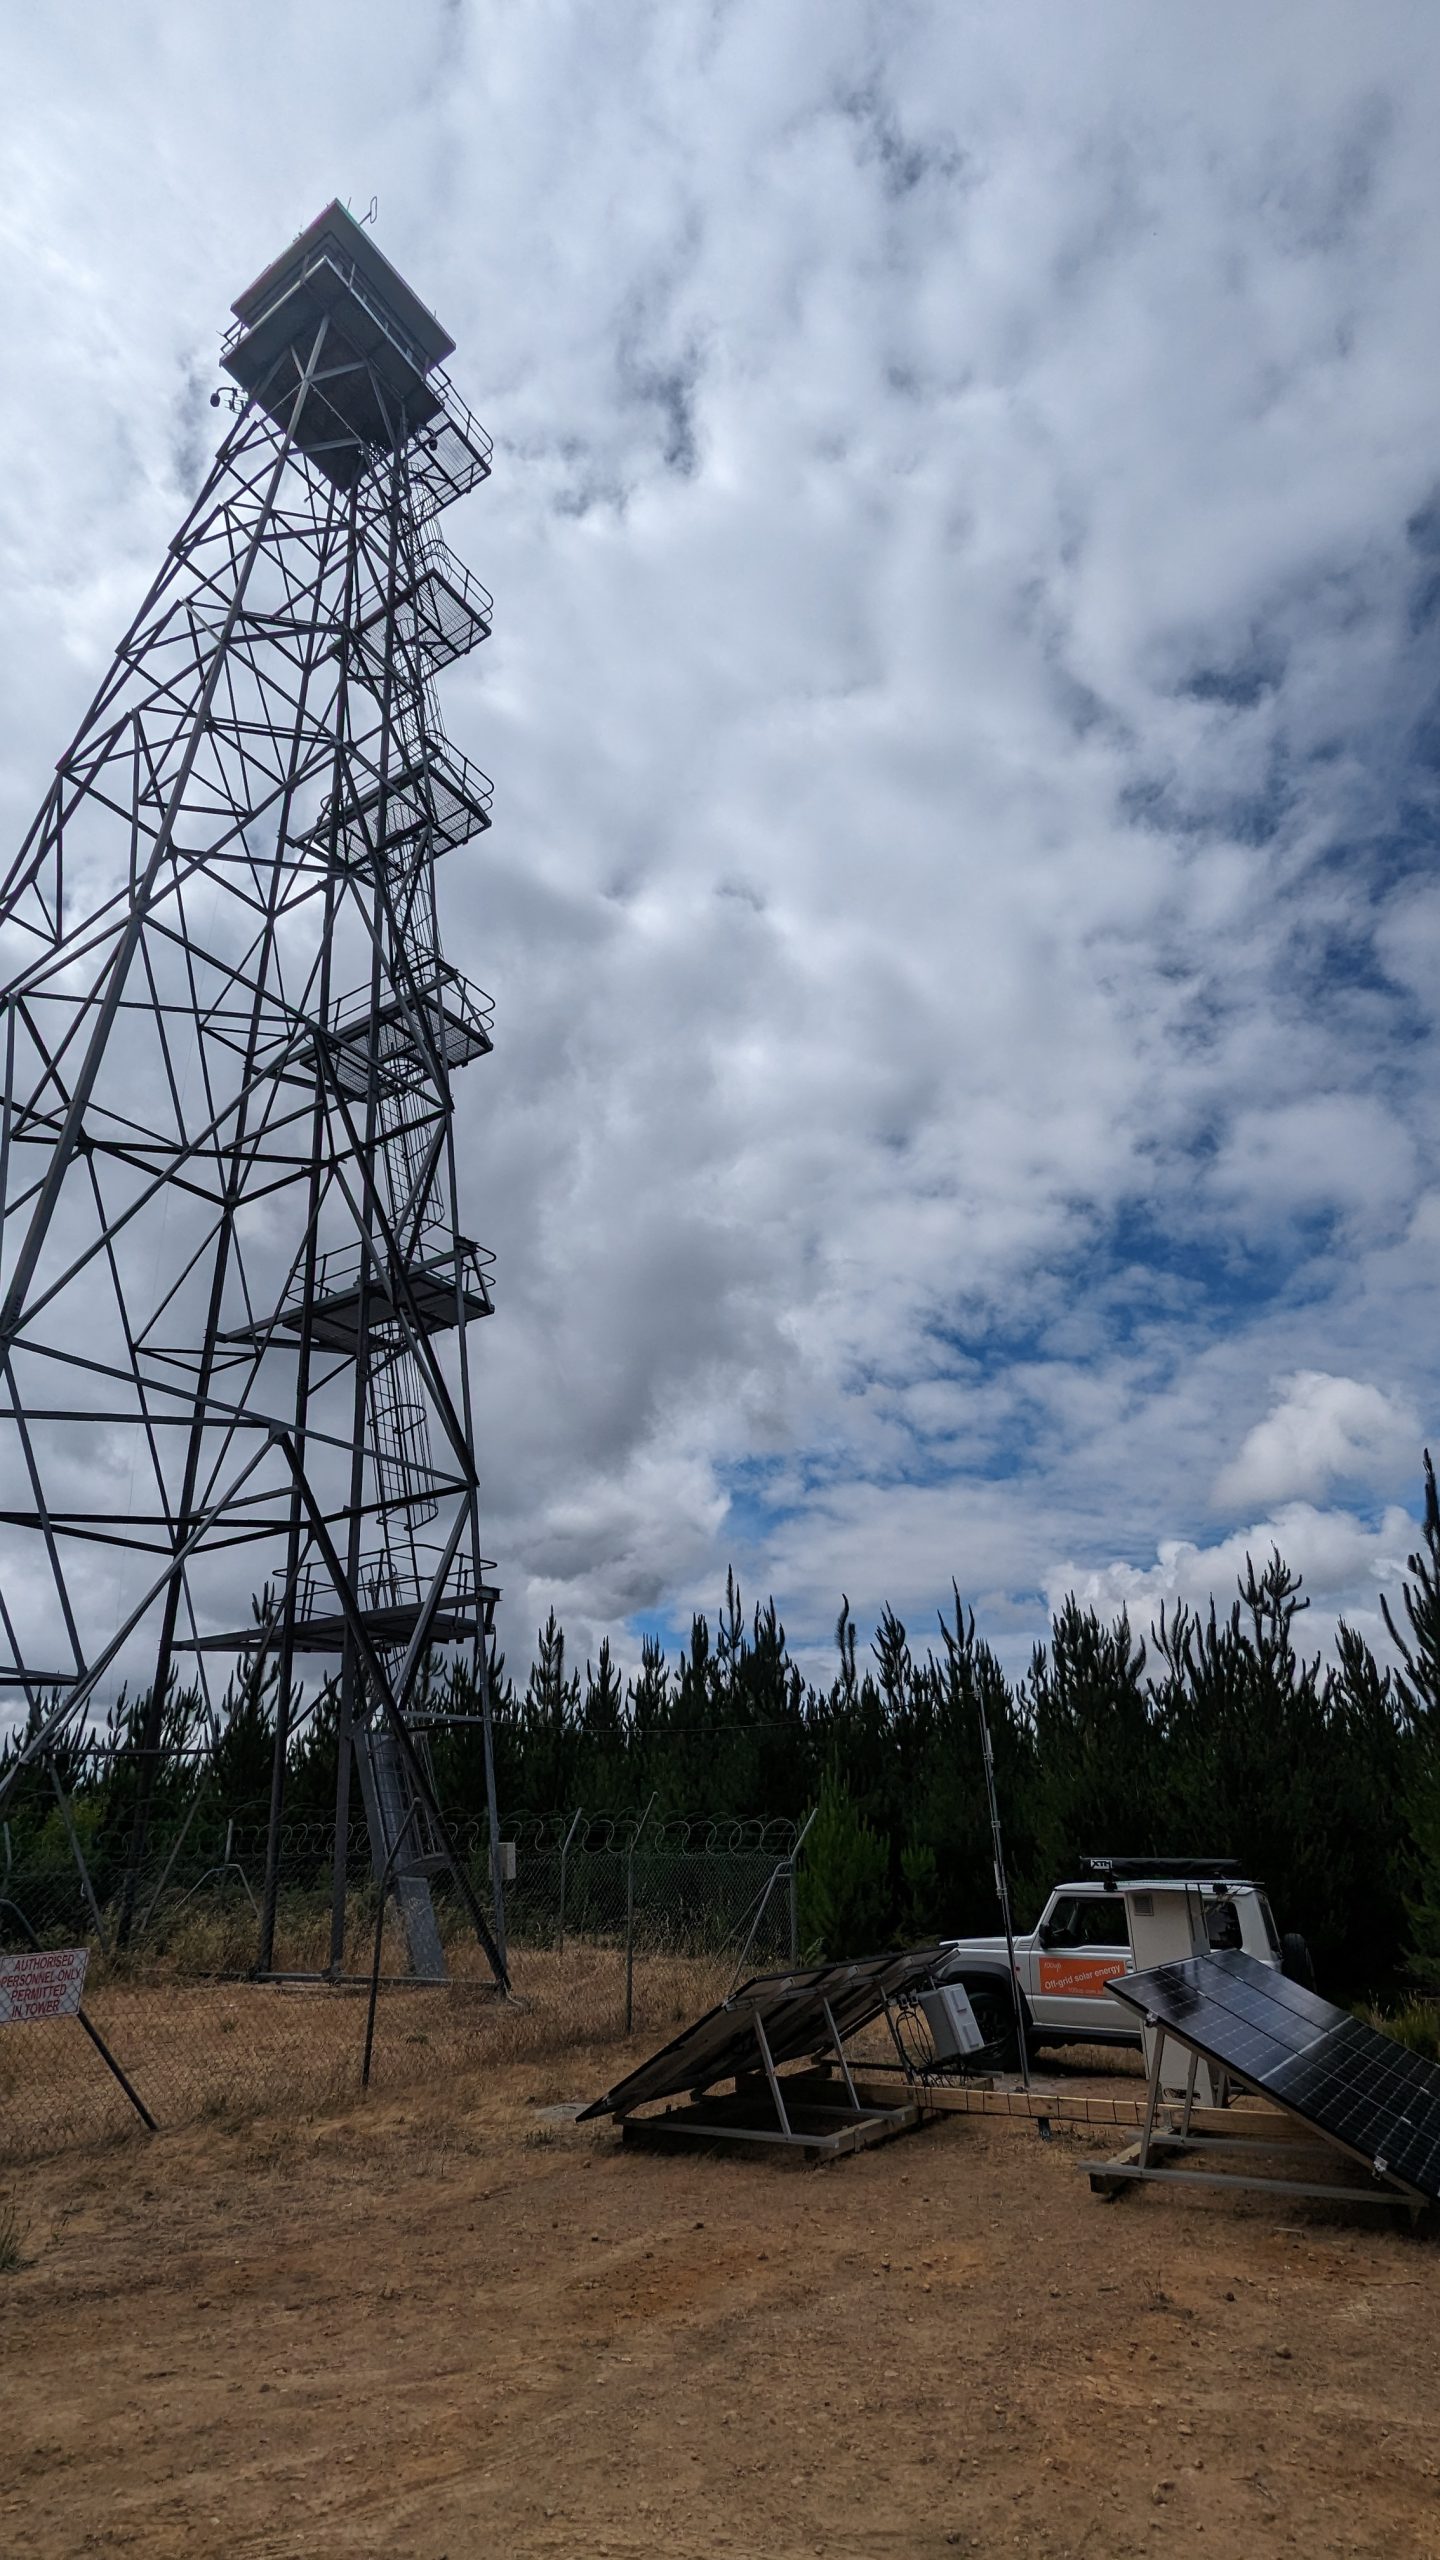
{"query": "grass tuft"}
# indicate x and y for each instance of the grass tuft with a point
(1416, 2025)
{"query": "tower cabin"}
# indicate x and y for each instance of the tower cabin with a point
(330, 318)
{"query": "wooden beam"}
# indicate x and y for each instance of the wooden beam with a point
(1064, 2106)
(1110, 2187)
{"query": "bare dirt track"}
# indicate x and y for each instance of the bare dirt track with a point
(444, 2327)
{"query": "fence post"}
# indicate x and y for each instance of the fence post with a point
(761, 1907)
(77, 1853)
(177, 1844)
(564, 1864)
(795, 1848)
(630, 1936)
(630, 1917)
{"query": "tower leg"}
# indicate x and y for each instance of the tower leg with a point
(340, 1846)
(389, 1801)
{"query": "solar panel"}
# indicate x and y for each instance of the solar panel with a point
(1372, 2096)
(791, 2009)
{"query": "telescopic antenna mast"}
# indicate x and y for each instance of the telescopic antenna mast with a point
(1003, 1889)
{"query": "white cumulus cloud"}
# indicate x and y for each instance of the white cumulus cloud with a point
(1344, 1565)
(1319, 1430)
(966, 550)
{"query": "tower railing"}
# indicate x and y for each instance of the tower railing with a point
(441, 607)
(455, 1015)
(392, 1584)
(440, 1265)
(451, 456)
(434, 787)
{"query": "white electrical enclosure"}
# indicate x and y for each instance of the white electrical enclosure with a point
(1170, 1923)
(951, 2021)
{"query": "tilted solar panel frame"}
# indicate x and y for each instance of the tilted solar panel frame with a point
(1372, 2098)
(790, 2007)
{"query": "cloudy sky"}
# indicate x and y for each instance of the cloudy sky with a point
(962, 907)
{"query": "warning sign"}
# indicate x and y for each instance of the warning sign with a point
(44, 1984)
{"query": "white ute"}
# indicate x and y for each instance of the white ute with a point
(1124, 1915)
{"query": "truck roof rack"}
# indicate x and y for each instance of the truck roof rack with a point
(1163, 1870)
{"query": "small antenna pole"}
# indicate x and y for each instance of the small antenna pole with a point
(1002, 1888)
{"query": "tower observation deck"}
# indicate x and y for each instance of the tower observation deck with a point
(375, 384)
(235, 1295)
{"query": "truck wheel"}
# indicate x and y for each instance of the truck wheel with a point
(1295, 1961)
(995, 2017)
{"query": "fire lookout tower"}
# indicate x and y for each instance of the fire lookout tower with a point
(235, 1294)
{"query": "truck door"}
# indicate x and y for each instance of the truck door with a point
(1085, 1942)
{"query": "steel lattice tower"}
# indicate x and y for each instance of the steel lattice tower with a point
(234, 1290)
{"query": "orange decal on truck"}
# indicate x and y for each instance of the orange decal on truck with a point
(1081, 1977)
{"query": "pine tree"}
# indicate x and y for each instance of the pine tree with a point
(1418, 1688)
(603, 1714)
(843, 1889)
(1361, 1787)
(238, 1774)
(969, 1685)
(1094, 1731)
(550, 1712)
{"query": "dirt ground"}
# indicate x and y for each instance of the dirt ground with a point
(445, 2325)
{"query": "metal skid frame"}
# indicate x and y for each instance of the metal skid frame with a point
(802, 2114)
(1159, 2142)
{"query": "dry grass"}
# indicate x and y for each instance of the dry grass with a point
(196, 1941)
(1416, 2024)
(207, 1941)
(233, 2050)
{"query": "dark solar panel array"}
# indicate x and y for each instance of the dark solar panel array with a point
(1357, 2086)
(791, 2007)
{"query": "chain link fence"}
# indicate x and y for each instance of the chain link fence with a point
(615, 1925)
